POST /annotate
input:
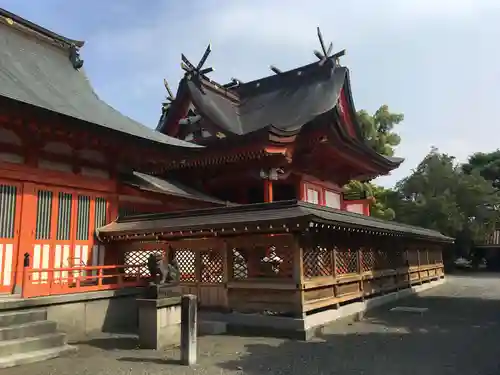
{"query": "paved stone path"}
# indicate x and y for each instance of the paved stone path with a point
(458, 334)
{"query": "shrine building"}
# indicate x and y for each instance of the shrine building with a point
(241, 182)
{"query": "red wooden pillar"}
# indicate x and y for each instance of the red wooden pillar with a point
(268, 191)
(27, 230)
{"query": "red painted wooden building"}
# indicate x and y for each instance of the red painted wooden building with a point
(69, 163)
(291, 135)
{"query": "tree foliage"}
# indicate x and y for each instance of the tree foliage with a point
(440, 195)
(378, 131)
(461, 201)
(378, 206)
(485, 164)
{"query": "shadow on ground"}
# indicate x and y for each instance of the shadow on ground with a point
(159, 361)
(112, 343)
(458, 333)
(454, 336)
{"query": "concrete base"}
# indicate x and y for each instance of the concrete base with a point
(298, 328)
(159, 322)
(84, 315)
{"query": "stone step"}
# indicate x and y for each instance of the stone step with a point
(30, 329)
(35, 356)
(10, 318)
(31, 344)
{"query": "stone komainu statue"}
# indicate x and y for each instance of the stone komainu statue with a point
(168, 271)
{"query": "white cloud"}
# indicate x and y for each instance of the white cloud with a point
(433, 60)
(443, 9)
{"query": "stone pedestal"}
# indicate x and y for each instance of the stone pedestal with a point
(155, 291)
(159, 322)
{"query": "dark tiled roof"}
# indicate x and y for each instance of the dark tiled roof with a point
(284, 104)
(35, 69)
(264, 213)
(169, 187)
(286, 101)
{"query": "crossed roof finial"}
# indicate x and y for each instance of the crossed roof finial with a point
(325, 53)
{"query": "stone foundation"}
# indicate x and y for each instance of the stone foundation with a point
(83, 315)
(159, 322)
(298, 328)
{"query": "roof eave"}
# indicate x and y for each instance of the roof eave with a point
(40, 30)
(299, 211)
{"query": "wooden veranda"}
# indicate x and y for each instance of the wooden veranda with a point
(285, 258)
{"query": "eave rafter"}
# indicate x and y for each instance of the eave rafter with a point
(278, 227)
(119, 149)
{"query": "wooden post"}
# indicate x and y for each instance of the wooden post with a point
(189, 322)
(298, 271)
(334, 261)
(227, 262)
(298, 259)
(268, 191)
(24, 282)
(360, 272)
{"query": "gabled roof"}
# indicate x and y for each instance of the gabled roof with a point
(35, 68)
(285, 101)
(282, 104)
(229, 218)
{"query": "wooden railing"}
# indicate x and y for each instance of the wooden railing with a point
(54, 281)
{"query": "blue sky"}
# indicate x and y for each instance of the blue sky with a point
(436, 61)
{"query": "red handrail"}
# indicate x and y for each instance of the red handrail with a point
(65, 280)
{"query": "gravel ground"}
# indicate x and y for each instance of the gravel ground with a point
(458, 334)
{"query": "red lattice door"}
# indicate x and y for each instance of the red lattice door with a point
(10, 217)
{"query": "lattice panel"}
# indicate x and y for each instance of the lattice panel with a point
(281, 269)
(186, 259)
(347, 262)
(212, 266)
(317, 262)
(381, 260)
(140, 257)
(240, 264)
(262, 262)
(368, 260)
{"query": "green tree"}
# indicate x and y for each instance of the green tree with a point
(439, 195)
(378, 194)
(486, 164)
(378, 132)
(378, 129)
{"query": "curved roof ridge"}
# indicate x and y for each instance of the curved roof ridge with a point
(39, 29)
(42, 75)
